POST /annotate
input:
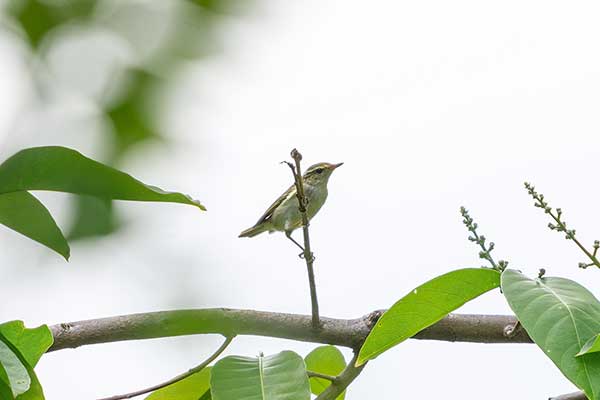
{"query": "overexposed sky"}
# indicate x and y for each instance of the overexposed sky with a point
(431, 105)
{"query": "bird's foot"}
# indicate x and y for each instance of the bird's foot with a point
(311, 257)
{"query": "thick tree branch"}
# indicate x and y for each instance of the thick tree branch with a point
(229, 322)
(570, 396)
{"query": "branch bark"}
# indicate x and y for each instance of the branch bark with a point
(229, 322)
(570, 396)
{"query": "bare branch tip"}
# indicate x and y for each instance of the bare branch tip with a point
(296, 155)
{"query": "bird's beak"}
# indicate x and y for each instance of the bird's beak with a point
(334, 166)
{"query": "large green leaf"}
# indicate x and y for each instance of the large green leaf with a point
(560, 316)
(193, 387)
(424, 306)
(22, 212)
(17, 375)
(66, 170)
(31, 343)
(327, 360)
(281, 376)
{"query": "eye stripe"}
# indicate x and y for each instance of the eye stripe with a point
(315, 169)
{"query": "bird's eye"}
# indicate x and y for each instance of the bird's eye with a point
(319, 170)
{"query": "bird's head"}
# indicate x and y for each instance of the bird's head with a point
(319, 173)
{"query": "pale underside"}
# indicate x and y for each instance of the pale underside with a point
(284, 215)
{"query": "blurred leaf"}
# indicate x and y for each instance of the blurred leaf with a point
(22, 212)
(17, 375)
(225, 7)
(591, 346)
(276, 377)
(426, 305)
(32, 343)
(38, 17)
(193, 40)
(560, 316)
(327, 360)
(132, 124)
(94, 216)
(66, 170)
(194, 387)
(131, 118)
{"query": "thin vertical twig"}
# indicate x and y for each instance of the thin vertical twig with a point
(308, 255)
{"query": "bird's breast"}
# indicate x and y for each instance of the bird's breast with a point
(287, 216)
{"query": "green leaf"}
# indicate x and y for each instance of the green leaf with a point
(591, 346)
(325, 360)
(66, 170)
(31, 343)
(560, 316)
(17, 375)
(278, 377)
(193, 387)
(426, 305)
(16, 372)
(5, 390)
(23, 213)
(93, 216)
(133, 119)
(38, 17)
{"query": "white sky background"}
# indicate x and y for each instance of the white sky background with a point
(431, 105)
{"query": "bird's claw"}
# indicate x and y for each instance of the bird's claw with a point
(312, 256)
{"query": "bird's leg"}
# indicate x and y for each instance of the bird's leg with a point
(301, 255)
(289, 236)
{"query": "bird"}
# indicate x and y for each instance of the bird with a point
(284, 214)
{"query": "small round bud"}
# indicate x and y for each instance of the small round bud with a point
(296, 155)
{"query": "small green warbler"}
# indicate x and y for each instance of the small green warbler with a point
(284, 214)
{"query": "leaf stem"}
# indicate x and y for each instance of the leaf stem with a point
(176, 379)
(313, 374)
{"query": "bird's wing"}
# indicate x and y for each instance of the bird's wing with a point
(269, 213)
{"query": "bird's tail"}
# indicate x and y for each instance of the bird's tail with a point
(253, 231)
